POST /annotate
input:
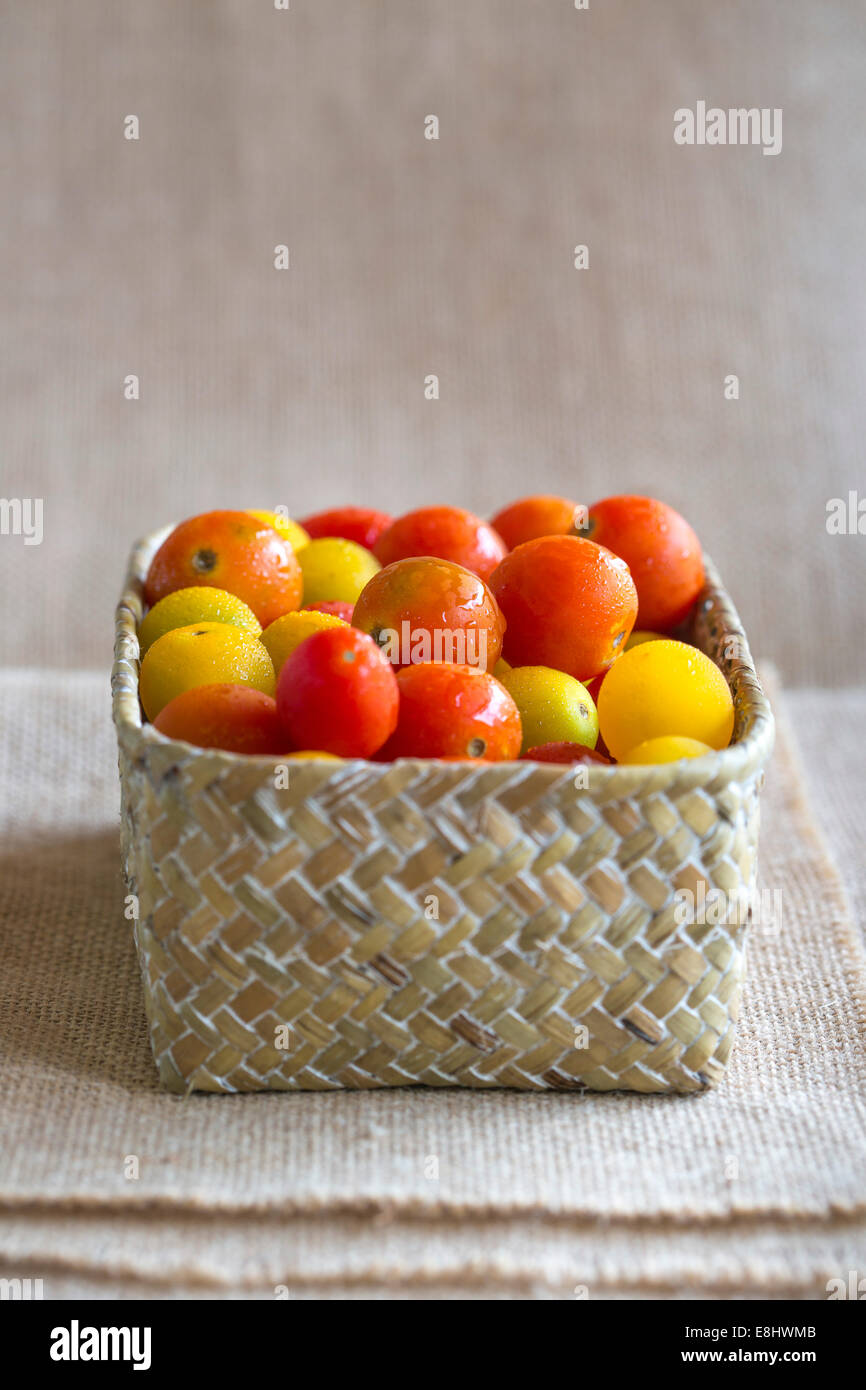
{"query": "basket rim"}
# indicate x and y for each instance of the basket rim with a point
(740, 760)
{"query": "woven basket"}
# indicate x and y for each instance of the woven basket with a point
(438, 923)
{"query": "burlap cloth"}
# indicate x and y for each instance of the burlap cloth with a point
(758, 1188)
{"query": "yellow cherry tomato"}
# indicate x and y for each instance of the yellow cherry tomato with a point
(196, 605)
(312, 753)
(638, 638)
(667, 749)
(554, 707)
(335, 569)
(664, 687)
(288, 632)
(202, 654)
(290, 531)
(501, 668)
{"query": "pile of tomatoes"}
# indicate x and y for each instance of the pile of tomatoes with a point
(353, 634)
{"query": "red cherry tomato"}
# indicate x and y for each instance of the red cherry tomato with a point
(532, 517)
(334, 606)
(360, 524)
(450, 533)
(661, 550)
(564, 753)
(423, 609)
(567, 602)
(449, 711)
(336, 693)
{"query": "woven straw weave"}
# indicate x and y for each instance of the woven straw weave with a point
(431, 923)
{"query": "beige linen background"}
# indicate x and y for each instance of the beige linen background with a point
(453, 257)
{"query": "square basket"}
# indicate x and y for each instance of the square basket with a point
(440, 924)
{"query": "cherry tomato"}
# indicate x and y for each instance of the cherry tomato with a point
(450, 533)
(362, 525)
(234, 551)
(564, 753)
(424, 609)
(335, 570)
(532, 517)
(198, 604)
(662, 688)
(314, 754)
(449, 711)
(661, 550)
(554, 707)
(670, 748)
(289, 631)
(290, 531)
(337, 694)
(187, 658)
(234, 717)
(567, 602)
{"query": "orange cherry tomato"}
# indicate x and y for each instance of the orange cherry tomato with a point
(233, 717)
(564, 753)
(362, 525)
(424, 609)
(449, 711)
(234, 551)
(532, 517)
(661, 550)
(336, 693)
(450, 533)
(567, 602)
